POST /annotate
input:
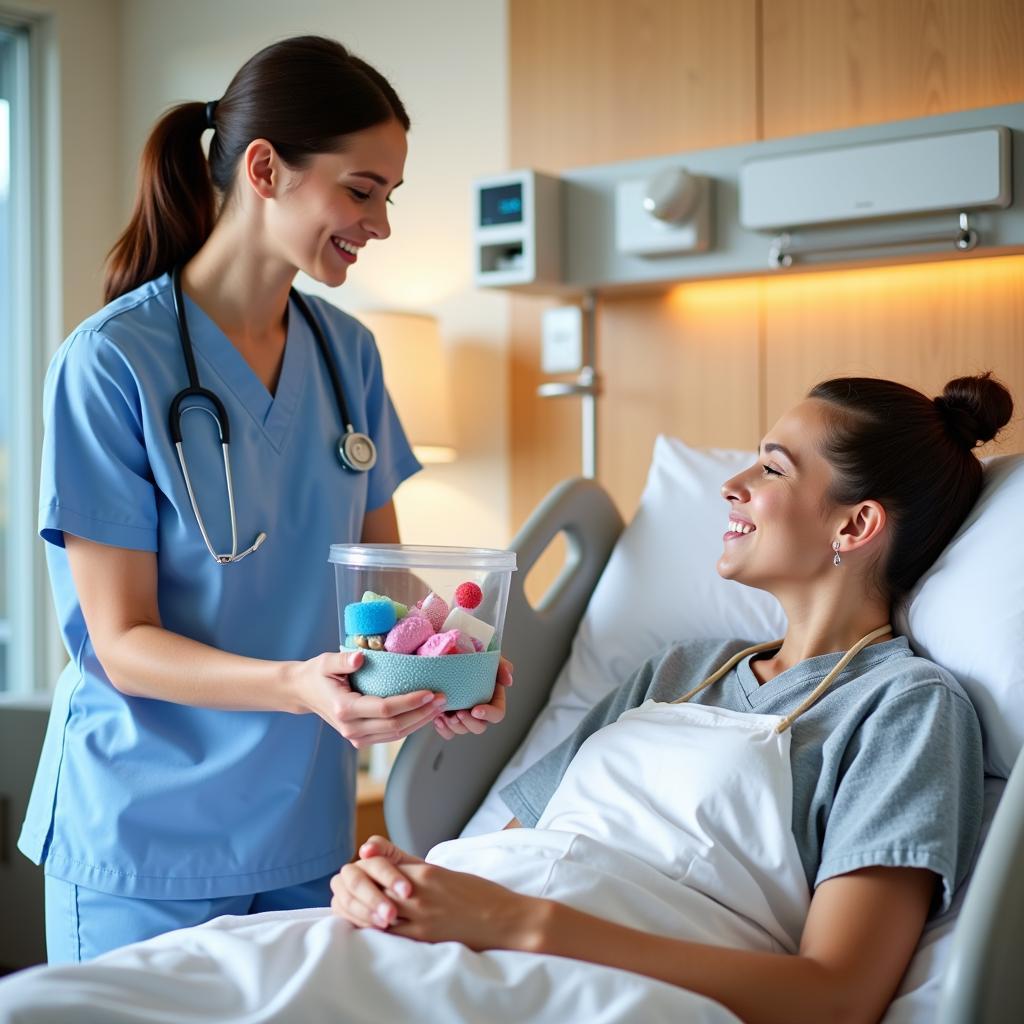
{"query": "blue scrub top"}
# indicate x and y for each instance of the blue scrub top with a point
(157, 800)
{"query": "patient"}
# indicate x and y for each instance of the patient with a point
(814, 817)
(765, 829)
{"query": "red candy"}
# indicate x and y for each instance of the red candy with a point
(468, 595)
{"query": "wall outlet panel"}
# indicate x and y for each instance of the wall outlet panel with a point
(561, 349)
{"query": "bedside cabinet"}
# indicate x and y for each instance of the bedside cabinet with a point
(369, 809)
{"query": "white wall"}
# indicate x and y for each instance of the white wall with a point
(447, 59)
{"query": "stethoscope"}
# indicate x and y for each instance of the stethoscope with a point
(356, 451)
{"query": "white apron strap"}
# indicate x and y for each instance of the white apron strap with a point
(820, 689)
(814, 696)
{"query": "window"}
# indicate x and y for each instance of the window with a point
(7, 88)
(20, 621)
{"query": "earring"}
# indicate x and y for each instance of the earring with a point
(835, 548)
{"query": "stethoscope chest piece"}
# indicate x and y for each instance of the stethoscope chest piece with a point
(356, 451)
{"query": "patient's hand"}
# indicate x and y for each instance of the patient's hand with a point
(388, 888)
(452, 906)
(476, 719)
(366, 890)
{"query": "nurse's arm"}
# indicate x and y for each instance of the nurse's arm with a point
(117, 590)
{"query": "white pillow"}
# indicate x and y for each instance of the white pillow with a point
(967, 612)
(661, 585)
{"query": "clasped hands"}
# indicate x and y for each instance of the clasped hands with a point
(389, 889)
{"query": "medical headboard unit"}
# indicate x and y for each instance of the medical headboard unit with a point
(518, 230)
(943, 187)
(954, 171)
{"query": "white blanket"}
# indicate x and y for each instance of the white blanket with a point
(310, 966)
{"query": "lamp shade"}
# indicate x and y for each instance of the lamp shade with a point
(417, 378)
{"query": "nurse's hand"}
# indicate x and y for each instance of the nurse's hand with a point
(365, 890)
(321, 685)
(476, 719)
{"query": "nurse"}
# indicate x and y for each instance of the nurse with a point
(201, 753)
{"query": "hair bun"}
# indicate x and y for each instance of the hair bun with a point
(974, 409)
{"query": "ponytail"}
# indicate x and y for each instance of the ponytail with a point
(303, 95)
(175, 206)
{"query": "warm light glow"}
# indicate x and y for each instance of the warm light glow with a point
(416, 374)
(911, 281)
(703, 297)
(433, 453)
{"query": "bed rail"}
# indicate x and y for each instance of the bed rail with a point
(434, 786)
(984, 981)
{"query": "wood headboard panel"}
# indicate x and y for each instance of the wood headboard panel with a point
(593, 81)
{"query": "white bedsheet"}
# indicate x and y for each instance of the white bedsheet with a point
(308, 966)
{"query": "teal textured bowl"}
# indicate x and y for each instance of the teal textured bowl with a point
(465, 679)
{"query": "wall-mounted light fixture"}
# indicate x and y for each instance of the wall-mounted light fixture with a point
(417, 378)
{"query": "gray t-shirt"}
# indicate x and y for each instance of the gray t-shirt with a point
(887, 765)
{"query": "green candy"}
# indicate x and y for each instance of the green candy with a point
(401, 610)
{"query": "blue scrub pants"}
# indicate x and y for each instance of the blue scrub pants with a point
(82, 923)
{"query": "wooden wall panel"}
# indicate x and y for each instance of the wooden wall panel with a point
(685, 364)
(839, 63)
(592, 81)
(921, 325)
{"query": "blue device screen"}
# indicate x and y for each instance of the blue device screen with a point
(502, 204)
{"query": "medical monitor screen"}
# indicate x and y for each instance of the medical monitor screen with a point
(502, 204)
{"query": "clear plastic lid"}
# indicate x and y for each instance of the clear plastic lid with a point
(421, 556)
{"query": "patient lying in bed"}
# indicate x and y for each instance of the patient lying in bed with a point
(766, 849)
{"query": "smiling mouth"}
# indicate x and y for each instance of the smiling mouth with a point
(348, 250)
(737, 530)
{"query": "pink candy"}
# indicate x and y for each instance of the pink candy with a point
(441, 643)
(465, 643)
(435, 608)
(408, 634)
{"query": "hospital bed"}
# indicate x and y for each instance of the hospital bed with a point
(622, 592)
(969, 967)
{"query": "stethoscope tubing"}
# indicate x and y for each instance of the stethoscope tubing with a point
(355, 451)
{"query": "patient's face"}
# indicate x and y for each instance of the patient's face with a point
(780, 522)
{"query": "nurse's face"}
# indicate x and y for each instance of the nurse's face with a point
(326, 213)
(781, 523)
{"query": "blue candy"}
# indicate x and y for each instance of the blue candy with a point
(365, 618)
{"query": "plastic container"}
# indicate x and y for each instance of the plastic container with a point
(408, 575)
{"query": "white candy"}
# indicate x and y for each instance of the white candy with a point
(459, 618)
